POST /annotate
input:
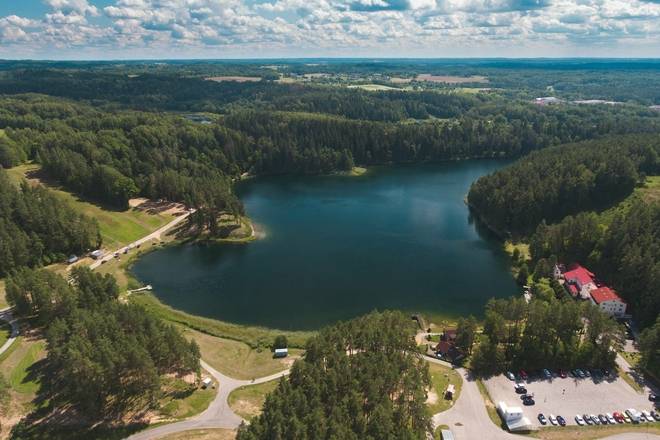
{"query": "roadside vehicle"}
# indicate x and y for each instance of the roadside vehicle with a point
(552, 419)
(579, 420)
(510, 375)
(634, 415)
(580, 373)
(528, 402)
(610, 419)
(586, 372)
(606, 372)
(542, 419)
(587, 419)
(520, 389)
(523, 374)
(595, 419)
(602, 419)
(655, 415)
(618, 417)
(654, 397)
(547, 373)
(562, 374)
(626, 418)
(561, 421)
(647, 415)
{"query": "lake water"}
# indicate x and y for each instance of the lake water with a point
(336, 247)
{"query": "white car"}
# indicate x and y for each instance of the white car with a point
(552, 419)
(626, 418)
(579, 420)
(610, 419)
(647, 415)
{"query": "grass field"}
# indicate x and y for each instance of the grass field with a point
(442, 376)
(248, 401)
(5, 331)
(3, 298)
(182, 400)
(239, 360)
(594, 432)
(490, 406)
(118, 228)
(203, 434)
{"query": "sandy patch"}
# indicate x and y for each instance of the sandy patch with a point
(432, 397)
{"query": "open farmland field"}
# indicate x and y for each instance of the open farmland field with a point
(450, 79)
(234, 78)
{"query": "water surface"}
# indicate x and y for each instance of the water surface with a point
(336, 247)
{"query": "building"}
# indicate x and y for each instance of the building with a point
(96, 254)
(446, 434)
(608, 301)
(448, 334)
(281, 352)
(206, 382)
(447, 351)
(579, 282)
(513, 417)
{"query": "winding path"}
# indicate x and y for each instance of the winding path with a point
(217, 415)
(5, 315)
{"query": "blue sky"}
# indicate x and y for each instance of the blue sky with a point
(116, 29)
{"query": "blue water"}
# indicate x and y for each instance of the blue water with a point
(336, 247)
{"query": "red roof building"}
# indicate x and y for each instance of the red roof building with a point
(608, 301)
(579, 275)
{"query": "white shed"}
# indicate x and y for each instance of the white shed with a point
(281, 352)
(206, 382)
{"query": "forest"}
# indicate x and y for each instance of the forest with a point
(361, 379)
(513, 339)
(37, 228)
(104, 358)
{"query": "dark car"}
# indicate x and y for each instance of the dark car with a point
(562, 374)
(523, 374)
(602, 419)
(561, 421)
(528, 402)
(520, 390)
(654, 397)
(542, 419)
(587, 419)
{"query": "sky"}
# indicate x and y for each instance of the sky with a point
(162, 29)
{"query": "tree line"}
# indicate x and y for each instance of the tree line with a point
(545, 333)
(38, 228)
(103, 357)
(361, 379)
(563, 180)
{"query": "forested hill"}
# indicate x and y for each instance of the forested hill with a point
(363, 379)
(38, 228)
(567, 179)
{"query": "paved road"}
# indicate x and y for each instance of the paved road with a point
(217, 415)
(5, 315)
(153, 236)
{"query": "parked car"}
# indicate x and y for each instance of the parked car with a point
(654, 397)
(528, 401)
(580, 373)
(547, 373)
(633, 414)
(561, 421)
(626, 418)
(579, 420)
(510, 375)
(520, 389)
(610, 419)
(647, 415)
(595, 419)
(542, 419)
(523, 374)
(655, 415)
(606, 372)
(587, 419)
(602, 419)
(552, 419)
(618, 417)
(562, 374)
(586, 372)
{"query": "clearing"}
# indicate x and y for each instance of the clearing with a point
(374, 87)
(248, 401)
(118, 228)
(203, 434)
(181, 399)
(441, 377)
(234, 78)
(450, 79)
(238, 360)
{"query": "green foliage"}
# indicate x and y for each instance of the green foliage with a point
(280, 342)
(563, 180)
(102, 356)
(37, 228)
(545, 333)
(362, 379)
(5, 397)
(466, 330)
(649, 348)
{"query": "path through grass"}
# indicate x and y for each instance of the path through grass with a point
(248, 401)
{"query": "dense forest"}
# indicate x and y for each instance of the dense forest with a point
(38, 228)
(513, 339)
(362, 379)
(563, 180)
(103, 357)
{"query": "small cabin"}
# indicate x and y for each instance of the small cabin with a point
(72, 259)
(281, 352)
(449, 393)
(206, 382)
(96, 254)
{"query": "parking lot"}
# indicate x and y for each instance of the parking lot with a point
(570, 396)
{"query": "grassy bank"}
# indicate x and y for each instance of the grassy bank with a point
(203, 434)
(441, 377)
(5, 331)
(248, 401)
(594, 432)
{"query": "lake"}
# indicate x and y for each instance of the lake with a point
(335, 247)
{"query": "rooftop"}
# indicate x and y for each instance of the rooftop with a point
(580, 274)
(603, 294)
